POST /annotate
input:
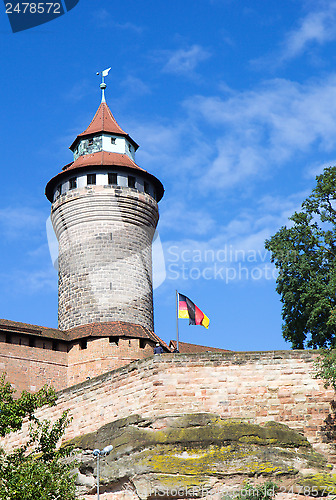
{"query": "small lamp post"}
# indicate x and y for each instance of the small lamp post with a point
(101, 453)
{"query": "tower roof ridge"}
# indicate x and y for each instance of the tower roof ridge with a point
(103, 121)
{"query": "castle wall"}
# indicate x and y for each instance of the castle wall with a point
(256, 386)
(105, 261)
(30, 368)
(102, 355)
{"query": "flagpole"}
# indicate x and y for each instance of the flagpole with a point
(177, 328)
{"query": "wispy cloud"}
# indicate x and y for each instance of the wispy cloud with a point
(266, 127)
(135, 86)
(235, 251)
(20, 222)
(316, 28)
(23, 282)
(179, 217)
(313, 30)
(78, 91)
(220, 142)
(105, 20)
(184, 61)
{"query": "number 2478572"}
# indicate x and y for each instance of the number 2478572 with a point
(33, 8)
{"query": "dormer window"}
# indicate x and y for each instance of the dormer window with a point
(129, 147)
(113, 140)
(112, 179)
(90, 142)
(72, 183)
(131, 181)
(91, 179)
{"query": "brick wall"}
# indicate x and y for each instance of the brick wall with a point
(29, 368)
(256, 386)
(101, 356)
(105, 260)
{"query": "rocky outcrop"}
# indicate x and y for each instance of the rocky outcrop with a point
(191, 455)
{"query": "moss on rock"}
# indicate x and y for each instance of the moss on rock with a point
(322, 483)
(187, 450)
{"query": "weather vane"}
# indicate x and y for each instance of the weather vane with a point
(103, 84)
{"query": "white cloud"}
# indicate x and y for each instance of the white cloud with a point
(260, 130)
(135, 86)
(105, 20)
(20, 222)
(185, 61)
(237, 139)
(178, 216)
(317, 27)
(234, 250)
(22, 282)
(317, 168)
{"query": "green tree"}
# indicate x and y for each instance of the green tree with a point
(325, 367)
(37, 470)
(305, 255)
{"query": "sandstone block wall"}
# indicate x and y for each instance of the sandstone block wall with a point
(256, 387)
(29, 368)
(101, 356)
(105, 260)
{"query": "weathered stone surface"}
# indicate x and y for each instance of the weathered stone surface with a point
(105, 255)
(196, 454)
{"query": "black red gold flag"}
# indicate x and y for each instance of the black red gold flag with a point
(187, 309)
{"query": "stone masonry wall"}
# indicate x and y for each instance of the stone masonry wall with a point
(29, 368)
(256, 386)
(101, 356)
(105, 259)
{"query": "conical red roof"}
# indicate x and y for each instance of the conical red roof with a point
(103, 121)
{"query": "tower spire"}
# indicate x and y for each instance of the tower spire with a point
(103, 84)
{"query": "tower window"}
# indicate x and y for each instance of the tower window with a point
(113, 140)
(142, 343)
(112, 179)
(72, 183)
(131, 181)
(83, 344)
(91, 179)
(90, 142)
(32, 342)
(146, 187)
(114, 340)
(55, 345)
(8, 338)
(59, 190)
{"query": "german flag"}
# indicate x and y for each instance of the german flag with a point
(188, 309)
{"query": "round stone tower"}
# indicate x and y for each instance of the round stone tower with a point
(104, 212)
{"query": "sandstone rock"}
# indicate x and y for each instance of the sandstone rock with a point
(195, 455)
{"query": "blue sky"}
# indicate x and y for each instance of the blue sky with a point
(233, 104)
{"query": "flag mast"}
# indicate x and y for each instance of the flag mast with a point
(177, 327)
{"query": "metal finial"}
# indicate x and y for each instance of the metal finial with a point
(103, 84)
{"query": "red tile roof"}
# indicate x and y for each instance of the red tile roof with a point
(186, 348)
(103, 121)
(103, 158)
(113, 328)
(27, 329)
